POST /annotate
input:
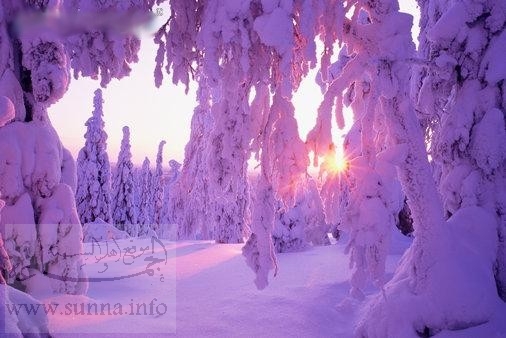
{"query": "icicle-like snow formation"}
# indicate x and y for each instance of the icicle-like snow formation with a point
(249, 45)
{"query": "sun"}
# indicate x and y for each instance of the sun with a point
(335, 163)
(340, 164)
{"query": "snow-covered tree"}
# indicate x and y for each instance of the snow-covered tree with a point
(302, 224)
(170, 198)
(241, 54)
(145, 217)
(137, 190)
(174, 172)
(229, 108)
(93, 195)
(365, 197)
(40, 225)
(461, 100)
(124, 213)
(158, 190)
(190, 201)
(40, 209)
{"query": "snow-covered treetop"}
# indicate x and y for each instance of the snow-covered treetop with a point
(125, 142)
(145, 164)
(175, 165)
(159, 156)
(125, 154)
(98, 102)
(96, 135)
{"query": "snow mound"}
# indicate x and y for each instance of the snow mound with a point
(101, 231)
(460, 292)
(22, 323)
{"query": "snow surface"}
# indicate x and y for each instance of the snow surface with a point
(216, 297)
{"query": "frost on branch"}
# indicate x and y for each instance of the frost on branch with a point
(227, 166)
(258, 250)
(365, 198)
(45, 59)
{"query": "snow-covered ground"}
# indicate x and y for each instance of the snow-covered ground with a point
(216, 296)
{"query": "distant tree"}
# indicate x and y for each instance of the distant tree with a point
(174, 172)
(158, 190)
(137, 190)
(169, 192)
(124, 213)
(302, 224)
(145, 217)
(93, 195)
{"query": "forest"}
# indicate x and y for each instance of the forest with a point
(400, 232)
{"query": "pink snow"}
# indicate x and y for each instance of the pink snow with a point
(213, 294)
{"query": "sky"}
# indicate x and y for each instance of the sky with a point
(158, 114)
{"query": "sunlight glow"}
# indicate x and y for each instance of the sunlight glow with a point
(337, 163)
(340, 164)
